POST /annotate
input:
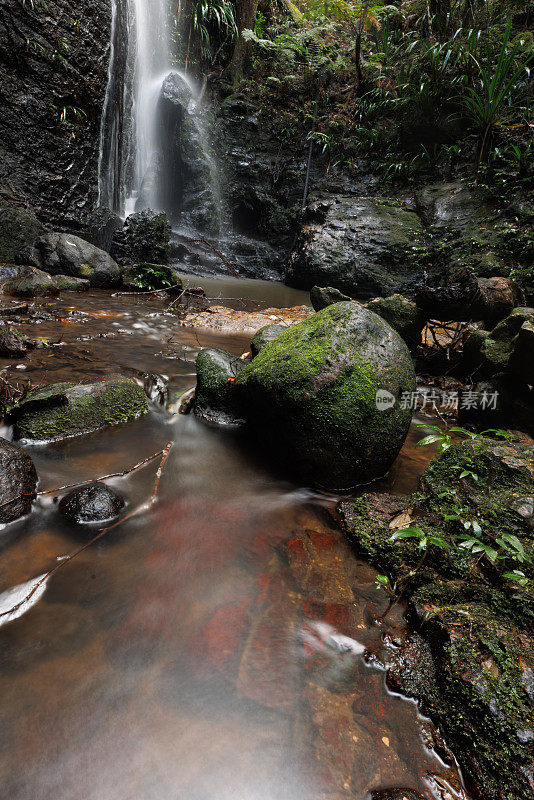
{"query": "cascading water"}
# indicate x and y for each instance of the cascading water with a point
(154, 144)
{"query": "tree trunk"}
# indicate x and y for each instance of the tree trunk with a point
(246, 11)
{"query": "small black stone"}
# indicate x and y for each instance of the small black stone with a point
(93, 503)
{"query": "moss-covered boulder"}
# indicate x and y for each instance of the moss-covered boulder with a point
(65, 254)
(28, 282)
(214, 398)
(325, 395)
(19, 228)
(63, 410)
(402, 314)
(145, 238)
(265, 335)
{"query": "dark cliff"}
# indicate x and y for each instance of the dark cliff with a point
(53, 76)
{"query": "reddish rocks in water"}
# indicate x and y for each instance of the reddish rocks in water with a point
(18, 480)
(93, 503)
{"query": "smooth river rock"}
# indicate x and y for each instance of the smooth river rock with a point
(93, 503)
(18, 480)
(63, 410)
(325, 395)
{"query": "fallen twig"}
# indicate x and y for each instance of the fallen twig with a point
(103, 531)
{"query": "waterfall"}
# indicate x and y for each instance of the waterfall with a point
(154, 150)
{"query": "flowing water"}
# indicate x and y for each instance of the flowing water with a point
(210, 648)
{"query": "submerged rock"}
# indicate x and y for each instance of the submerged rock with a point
(18, 480)
(65, 254)
(145, 238)
(29, 282)
(368, 243)
(63, 410)
(93, 503)
(325, 394)
(66, 283)
(265, 335)
(214, 399)
(402, 314)
(322, 297)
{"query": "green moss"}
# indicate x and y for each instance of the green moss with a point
(64, 410)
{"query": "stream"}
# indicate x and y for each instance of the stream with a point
(211, 648)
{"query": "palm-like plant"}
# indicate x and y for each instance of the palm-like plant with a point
(483, 103)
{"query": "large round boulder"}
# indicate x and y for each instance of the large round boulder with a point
(95, 502)
(327, 393)
(65, 254)
(18, 480)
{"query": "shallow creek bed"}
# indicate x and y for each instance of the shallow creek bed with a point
(224, 643)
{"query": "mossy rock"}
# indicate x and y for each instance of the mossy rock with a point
(264, 336)
(402, 314)
(62, 410)
(311, 395)
(214, 397)
(324, 296)
(29, 282)
(67, 283)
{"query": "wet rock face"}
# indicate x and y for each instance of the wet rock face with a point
(144, 239)
(312, 394)
(93, 503)
(18, 480)
(61, 410)
(363, 245)
(19, 227)
(53, 59)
